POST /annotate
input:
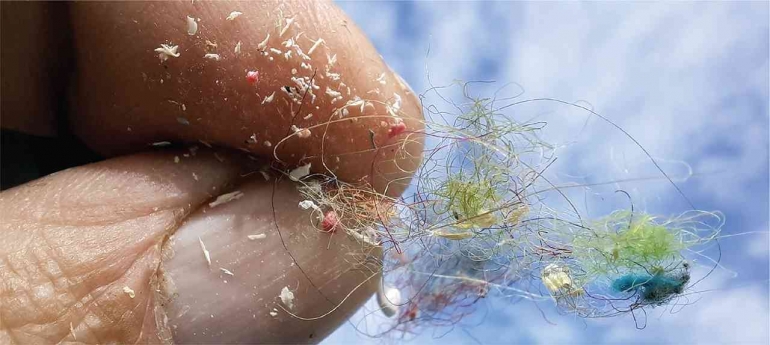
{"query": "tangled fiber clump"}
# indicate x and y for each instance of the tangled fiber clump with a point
(479, 221)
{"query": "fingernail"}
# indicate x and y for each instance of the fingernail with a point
(258, 271)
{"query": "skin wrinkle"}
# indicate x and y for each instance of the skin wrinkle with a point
(100, 259)
(88, 296)
(113, 286)
(145, 317)
(148, 299)
(61, 304)
(39, 262)
(138, 205)
(90, 290)
(51, 211)
(155, 260)
(33, 300)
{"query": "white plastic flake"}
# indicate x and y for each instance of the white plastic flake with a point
(192, 26)
(308, 204)
(300, 172)
(233, 15)
(287, 297)
(225, 198)
(211, 56)
(269, 99)
(167, 50)
(237, 49)
(263, 45)
(130, 292)
(206, 253)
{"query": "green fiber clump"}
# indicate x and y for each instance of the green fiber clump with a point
(479, 117)
(644, 241)
(623, 241)
(470, 201)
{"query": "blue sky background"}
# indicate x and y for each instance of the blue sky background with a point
(688, 80)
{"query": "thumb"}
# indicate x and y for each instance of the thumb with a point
(268, 263)
(109, 252)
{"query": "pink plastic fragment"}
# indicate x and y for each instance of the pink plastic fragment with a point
(330, 222)
(252, 76)
(396, 129)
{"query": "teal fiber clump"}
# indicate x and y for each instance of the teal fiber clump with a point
(630, 282)
(654, 289)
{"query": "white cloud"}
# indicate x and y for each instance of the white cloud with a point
(758, 244)
(658, 76)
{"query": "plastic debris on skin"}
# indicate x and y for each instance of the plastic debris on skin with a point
(315, 45)
(287, 297)
(233, 15)
(130, 292)
(396, 129)
(225, 198)
(192, 26)
(252, 77)
(269, 99)
(308, 204)
(302, 133)
(263, 45)
(237, 49)
(167, 50)
(206, 253)
(330, 222)
(211, 56)
(299, 172)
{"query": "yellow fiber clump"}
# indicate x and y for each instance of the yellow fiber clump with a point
(557, 280)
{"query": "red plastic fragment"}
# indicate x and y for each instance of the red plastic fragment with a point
(330, 222)
(252, 76)
(396, 129)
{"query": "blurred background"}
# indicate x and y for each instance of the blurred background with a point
(688, 81)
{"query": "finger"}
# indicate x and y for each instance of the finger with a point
(72, 240)
(317, 72)
(81, 249)
(263, 269)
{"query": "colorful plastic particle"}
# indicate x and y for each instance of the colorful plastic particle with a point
(330, 222)
(252, 77)
(396, 129)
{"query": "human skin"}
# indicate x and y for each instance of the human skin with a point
(72, 242)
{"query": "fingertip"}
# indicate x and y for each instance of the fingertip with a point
(323, 94)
